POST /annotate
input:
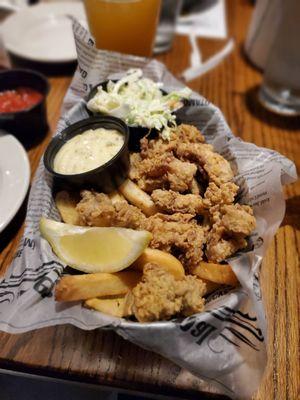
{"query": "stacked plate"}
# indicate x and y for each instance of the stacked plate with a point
(43, 33)
(14, 177)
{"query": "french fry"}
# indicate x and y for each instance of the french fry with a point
(163, 259)
(116, 307)
(138, 197)
(87, 286)
(218, 273)
(66, 204)
(210, 286)
(116, 197)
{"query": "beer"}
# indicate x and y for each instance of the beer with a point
(126, 26)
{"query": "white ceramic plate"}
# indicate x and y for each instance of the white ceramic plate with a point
(14, 177)
(43, 32)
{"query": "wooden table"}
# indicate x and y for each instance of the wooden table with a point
(105, 358)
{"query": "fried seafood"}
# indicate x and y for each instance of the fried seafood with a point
(162, 171)
(156, 147)
(178, 234)
(172, 202)
(231, 224)
(238, 219)
(180, 175)
(97, 209)
(217, 195)
(188, 134)
(185, 146)
(219, 248)
(235, 218)
(159, 296)
(215, 166)
(149, 173)
(182, 134)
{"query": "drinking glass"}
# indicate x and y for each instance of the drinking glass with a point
(170, 10)
(280, 91)
(127, 26)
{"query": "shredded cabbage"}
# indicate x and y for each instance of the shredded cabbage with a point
(139, 102)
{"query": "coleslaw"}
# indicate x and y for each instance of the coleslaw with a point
(139, 101)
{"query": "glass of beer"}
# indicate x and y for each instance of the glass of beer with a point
(126, 26)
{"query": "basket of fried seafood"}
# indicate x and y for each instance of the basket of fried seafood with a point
(169, 256)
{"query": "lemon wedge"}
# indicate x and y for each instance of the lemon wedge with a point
(94, 250)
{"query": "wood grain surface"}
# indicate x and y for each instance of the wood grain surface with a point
(103, 357)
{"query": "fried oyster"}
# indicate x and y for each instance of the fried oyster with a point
(160, 297)
(97, 209)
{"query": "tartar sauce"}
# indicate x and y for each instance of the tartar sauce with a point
(88, 151)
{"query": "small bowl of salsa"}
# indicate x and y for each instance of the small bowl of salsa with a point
(23, 103)
(19, 99)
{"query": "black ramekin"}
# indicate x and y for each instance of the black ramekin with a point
(31, 123)
(105, 178)
(136, 133)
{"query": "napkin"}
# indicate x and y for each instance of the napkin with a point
(204, 19)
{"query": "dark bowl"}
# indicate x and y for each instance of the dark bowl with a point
(136, 133)
(107, 177)
(31, 123)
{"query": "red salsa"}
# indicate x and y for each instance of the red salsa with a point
(18, 99)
